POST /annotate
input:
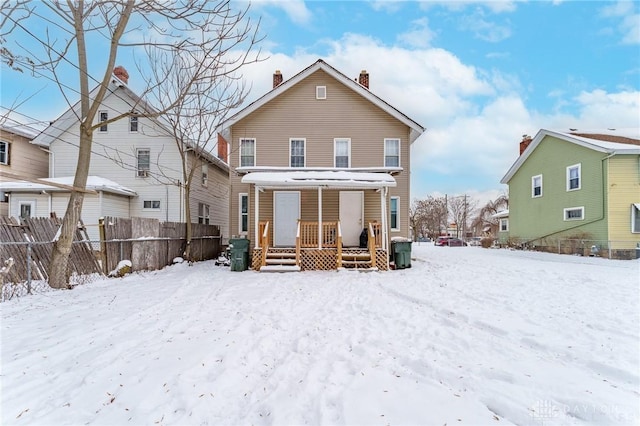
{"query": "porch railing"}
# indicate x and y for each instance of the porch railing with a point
(264, 241)
(308, 234)
(339, 246)
(373, 241)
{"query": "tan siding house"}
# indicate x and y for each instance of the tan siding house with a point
(316, 162)
(19, 159)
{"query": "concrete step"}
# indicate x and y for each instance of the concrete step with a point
(279, 268)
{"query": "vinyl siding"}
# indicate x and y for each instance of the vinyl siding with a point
(532, 218)
(623, 190)
(344, 114)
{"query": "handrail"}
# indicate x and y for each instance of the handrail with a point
(371, 242)
(264, 242)
(298, 243)
(339, 242)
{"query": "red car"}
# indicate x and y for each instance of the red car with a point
(450, 241)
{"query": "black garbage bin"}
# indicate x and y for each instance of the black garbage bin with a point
(401, 253)
(239, 248)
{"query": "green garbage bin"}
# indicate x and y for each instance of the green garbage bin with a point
(239, 248)
(401, 253)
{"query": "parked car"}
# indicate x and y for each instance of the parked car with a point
(450, 241)
(474, 241)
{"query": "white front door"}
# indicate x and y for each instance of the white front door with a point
(351, 217)
(286, 212)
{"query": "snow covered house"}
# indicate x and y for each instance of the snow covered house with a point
(19, 159)
(321, 170)
(135, 169)
(577, 184)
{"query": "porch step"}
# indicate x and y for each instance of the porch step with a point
(356, 260)
(280, 261)
(279, 268)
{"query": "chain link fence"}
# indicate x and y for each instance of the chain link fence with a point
(611, 249)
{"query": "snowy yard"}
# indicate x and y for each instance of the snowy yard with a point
(466, 336)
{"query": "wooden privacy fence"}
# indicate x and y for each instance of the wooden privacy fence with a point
(30, 242)
(150, 244)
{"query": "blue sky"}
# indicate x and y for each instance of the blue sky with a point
(477, 75)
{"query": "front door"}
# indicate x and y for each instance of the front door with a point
(286, 212)
(351, 220)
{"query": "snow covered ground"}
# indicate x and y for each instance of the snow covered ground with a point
(466, 336)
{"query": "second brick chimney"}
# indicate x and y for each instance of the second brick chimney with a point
(277, 78)
(363, 79)
(526, 140)
(121, 73)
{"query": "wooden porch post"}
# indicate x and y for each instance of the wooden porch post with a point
(320, 218)
(256, 219)
(383, 201)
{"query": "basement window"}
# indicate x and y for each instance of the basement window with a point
(574, 213)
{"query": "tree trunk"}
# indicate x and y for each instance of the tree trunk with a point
(187, 211)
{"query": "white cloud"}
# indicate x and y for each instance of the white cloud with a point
(495, 6)
(629, 26)
(483, 29)
(420, 35)
(295, 9)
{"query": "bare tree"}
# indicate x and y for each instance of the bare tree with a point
(428, 217)
(461, 208)
(485, 219)
(73, 27)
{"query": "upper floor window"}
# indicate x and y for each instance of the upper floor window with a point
(574, 213)
(203, 213)
(342, 153)
(297, 152)
(536, 186)
(244, 213)
(104, 116)
(205, 174)
(573, 177)
(133, 124)
(247, 152)
(4, 152)
(635, 218)
(321, 92)
(392, 152)
(394, 206)
(144, 161)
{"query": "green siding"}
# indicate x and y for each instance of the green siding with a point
(542, 217)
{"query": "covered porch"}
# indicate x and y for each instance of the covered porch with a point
(306, 220)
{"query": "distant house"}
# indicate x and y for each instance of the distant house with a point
(19, 159)
(135, 166)
(581, 185)
(321, 170)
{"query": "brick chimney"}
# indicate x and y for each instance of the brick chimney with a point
(526, 140)
(121, 73)
(277, 78)
(222, 148)
(363, 79)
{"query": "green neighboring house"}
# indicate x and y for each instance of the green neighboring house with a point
(571, 191)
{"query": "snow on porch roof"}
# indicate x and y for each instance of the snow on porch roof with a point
(329, 179)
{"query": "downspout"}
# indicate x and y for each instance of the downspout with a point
(385, 233)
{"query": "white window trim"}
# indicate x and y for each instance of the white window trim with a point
(6, 152)
(304, 147)
(138, 124)
(384, 152)
(505, 221)
(533, 187)
(335, 154)
(140, 172)
(255, 151)
(203, 218)
(397, 228)
(101, 120)
(579, 166)
(152, 208)
(31, 203)
(204, 170)
(240, 214)
(321, 92)
(565, 211)
(634, 207)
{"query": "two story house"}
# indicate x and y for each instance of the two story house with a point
(135, 169)
(320, 172)
(577, 185)
(19, 159)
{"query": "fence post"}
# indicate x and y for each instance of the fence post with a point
(103, 245)
(29, 268)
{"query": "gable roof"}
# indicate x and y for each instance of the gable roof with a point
(416, 129)
(70, 117)
(592, 140)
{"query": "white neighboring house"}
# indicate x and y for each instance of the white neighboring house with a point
(137, 155)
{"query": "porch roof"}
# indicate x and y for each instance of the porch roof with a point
(324, 179)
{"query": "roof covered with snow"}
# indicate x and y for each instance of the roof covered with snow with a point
(326, 179)
(95, 183)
